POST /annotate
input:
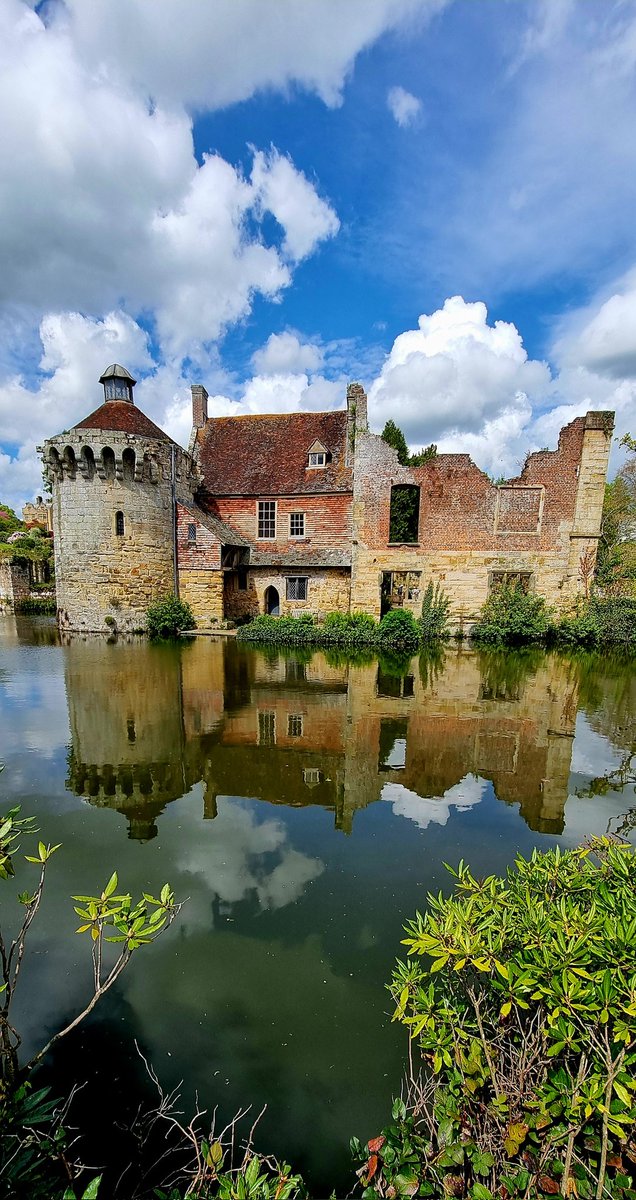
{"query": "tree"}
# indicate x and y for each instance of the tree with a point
(393, 436)
(616, 561)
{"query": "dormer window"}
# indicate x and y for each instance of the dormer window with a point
(317, 455)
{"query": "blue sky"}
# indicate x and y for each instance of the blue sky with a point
(273, 197)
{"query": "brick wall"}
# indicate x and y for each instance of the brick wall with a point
(327, 522)
(539, 523)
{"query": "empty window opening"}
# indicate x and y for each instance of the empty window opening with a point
(119, 524)
(392, 756)
(267, 728)
(267, 518)
(521, 580)
(404, 519)
(192, 532)
(294, 725)
(295, 671)
(395, 686)
(130, 729)
(297, 524)
(398, 587)
(297, 587)
(241, 579)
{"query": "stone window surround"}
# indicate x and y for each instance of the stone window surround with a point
(120, 524)
(295, 584)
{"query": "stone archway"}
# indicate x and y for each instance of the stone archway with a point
(272, 602)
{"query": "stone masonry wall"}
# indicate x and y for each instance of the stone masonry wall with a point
(101, 573)
(14, 583)
(327, 591)
(540, 523)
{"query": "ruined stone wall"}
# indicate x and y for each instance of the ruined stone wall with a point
(540, 523)
(327, 522)
(15, 583)
(100, 572)
(327, 591)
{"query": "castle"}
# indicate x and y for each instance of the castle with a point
(295, 513)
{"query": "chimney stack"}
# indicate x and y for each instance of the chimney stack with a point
(199, 405)
(356, 417)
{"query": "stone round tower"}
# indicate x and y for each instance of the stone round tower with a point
(114, 478)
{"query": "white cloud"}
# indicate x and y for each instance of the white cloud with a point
(284, 352)
(403, 105)
(454, 375)
(207, 57)
(435, 810)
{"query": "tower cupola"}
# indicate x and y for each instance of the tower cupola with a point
(118, 383)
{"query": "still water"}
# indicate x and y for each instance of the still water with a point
(304, 804)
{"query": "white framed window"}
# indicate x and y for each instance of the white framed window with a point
(312, 776)
(294, 725)
(267, 519)
(297, 587)
(297, 524)
(317, 458)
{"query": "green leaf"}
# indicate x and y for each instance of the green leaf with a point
(480, 1192)
(91, 1191)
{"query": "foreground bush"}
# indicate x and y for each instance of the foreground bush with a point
(398, 627)
(512, 617)
(599, 622)
(435, 619)
(525, 1015)
(165, 618)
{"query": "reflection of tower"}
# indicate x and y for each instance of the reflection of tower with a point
(126, 727)
(114, 480)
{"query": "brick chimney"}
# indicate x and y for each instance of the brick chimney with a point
(356, 416)
(199, 405)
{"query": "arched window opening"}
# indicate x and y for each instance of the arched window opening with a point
(128, 464)
(88, 459)
(108, 460)
(70, 463)
(119, 524)
(55, 462)
(404, 518)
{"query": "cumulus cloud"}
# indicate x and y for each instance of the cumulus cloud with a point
(403, 105)
(182, 51)
(435, 810)
(454, 374)
(285, 352)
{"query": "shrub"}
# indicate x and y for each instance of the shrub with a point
(37, 606)
(167, 616)
(601, 621)
(398, 627)
(525, 1014)
(512, 617)
(434, 621)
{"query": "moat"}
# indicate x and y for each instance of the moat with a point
(304, 804)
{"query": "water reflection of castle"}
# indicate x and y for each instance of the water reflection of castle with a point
(148, 722)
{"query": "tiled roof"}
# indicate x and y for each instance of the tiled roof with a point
(267, 455)
(226, 535)
(295, 559)
(122, 417)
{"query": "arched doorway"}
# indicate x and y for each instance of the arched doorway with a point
(272, 602)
